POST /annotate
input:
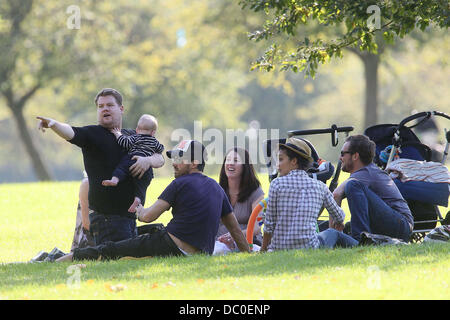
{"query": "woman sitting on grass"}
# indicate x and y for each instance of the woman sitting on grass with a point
(295, 202)
(243, 189)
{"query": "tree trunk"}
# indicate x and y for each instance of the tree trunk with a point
(371, 62)
(39, 168)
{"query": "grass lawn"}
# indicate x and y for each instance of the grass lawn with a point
(40, 216)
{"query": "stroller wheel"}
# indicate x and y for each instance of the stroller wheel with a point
(417, 237)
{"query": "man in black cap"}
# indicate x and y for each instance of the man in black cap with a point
(198, 204)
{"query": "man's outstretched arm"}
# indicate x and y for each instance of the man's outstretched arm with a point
(63, 130)
(153, 212)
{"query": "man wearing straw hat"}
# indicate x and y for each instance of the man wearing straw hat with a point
(295, 202)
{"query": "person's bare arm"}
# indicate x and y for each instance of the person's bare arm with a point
(142, 164)
(338, 196)
(63, 130)
(255, 203)
(153, 212)
(267, 237)
(339, 193)
(84, 203)
(257, 228)
(339, 226)
(230, 222)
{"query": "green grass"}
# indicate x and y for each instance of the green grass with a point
(40, 216)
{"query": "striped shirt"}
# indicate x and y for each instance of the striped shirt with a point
(140, 144)
(412, 170)
(295, 201)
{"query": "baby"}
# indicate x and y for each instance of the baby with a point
(143, 144)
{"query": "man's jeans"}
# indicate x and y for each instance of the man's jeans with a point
(106, 228)
(371, 214)
(331, 238)
(157, 244)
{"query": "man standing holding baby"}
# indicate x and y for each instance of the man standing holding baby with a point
(112, 208)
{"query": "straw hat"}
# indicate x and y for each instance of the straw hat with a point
(298, 146)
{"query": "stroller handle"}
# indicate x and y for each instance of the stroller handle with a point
(425, 115)
(319, 131)
(333, 131)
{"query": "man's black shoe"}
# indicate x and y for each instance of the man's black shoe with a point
(39, 257)
(347, 228)
(54, 254)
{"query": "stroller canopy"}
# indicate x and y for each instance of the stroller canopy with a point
(409, 143)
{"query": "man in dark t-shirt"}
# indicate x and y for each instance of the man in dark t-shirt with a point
(198, 204)
(111, 216)
(100, 153)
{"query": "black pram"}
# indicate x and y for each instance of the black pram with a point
(398, 141)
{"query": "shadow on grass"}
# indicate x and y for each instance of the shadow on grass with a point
(229, 266)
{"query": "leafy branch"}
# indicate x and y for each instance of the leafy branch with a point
(288, 15)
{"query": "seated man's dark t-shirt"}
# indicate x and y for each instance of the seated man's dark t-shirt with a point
(101, 155)
(383, 186)
(198, 202)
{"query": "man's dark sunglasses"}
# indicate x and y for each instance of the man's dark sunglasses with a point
(344, 152)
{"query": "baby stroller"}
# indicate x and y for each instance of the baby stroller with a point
(398, 141)
(321, 170)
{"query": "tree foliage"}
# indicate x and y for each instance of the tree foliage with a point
(396, 17)
(179, 60)
(34, 57)
(168, 58)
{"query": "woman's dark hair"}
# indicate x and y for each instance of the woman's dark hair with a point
(364, 146)
(303, 164)
(249, 181)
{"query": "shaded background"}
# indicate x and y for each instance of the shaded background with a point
(186, 61)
